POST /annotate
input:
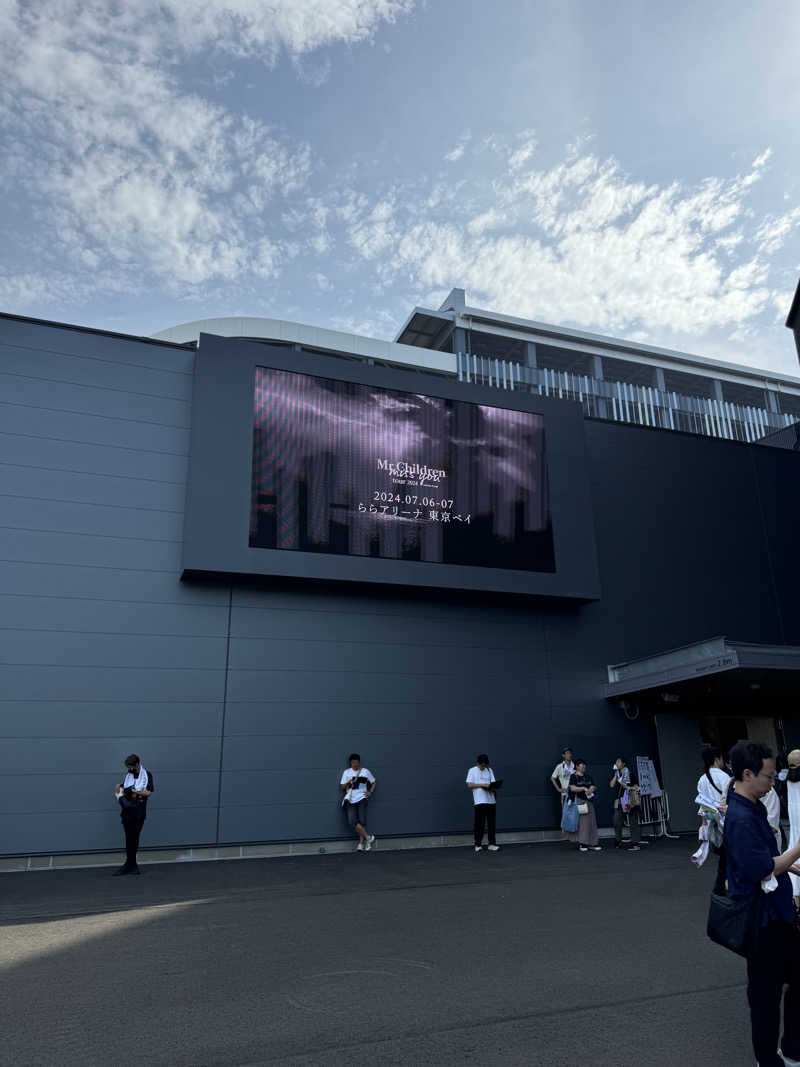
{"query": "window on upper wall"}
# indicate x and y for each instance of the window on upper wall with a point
(688, 384)
(564, 359)
(623, 370)
(789, 404)
(747, 395)
(493, 346)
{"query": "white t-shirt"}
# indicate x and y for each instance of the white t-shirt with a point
(481, 796)
(707, 795)
(562, 772)
(793, 796)
(359, 792)
(772, 802)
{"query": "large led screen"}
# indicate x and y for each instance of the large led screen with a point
(358, 470)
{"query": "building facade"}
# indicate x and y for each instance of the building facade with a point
(245, 695)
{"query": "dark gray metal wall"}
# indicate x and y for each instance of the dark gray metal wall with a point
(105, 651)
(102, 651)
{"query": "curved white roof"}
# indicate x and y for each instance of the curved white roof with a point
(312, 337)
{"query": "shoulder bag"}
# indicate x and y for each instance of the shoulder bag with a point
(569, 817)
(734, 924)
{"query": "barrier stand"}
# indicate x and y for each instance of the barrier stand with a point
(654, 812)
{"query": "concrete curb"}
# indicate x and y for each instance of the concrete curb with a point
(206, 853)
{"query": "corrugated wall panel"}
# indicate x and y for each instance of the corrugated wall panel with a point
(102, 649)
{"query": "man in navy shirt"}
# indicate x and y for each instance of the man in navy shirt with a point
(755, 868)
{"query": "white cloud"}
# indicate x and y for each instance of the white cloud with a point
(460, 148)
(520, 155)
(774, 231)
(134, 175)
(583, 243)
(490, 219)
(376, 232)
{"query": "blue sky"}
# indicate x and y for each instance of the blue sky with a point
(627, 168)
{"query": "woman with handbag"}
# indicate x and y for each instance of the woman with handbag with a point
(582, 790)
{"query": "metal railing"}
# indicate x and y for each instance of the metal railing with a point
(643, 405)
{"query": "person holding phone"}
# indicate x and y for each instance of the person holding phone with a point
(482, 782)
(132, 793)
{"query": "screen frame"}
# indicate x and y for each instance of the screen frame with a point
(219, 486)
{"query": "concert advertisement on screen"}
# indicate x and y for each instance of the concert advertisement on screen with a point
(357, 470)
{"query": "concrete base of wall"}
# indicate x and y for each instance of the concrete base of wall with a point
(205, 853)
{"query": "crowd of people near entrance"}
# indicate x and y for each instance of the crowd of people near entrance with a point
(578, 790)
(749, 812)
(749, 817)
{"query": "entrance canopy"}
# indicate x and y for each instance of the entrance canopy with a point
(719, 664)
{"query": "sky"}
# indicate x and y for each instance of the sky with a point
(627, 168)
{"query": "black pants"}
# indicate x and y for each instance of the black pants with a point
(635, 823)
(720, 882)
(133, 829)
(485, 815)
(775, 963)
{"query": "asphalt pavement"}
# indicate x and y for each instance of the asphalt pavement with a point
(533, 955)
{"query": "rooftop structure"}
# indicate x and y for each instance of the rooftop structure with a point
(612, 378)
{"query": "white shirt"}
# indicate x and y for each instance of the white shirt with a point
(476, 775)
(772, 802)
(359, 792)
(707, 795)
(562, 772)
(793, 796)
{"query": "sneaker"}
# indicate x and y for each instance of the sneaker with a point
(494, 848)
(634, 848)
(124, 869)
(134, 870)
(582, 848)
(479, 848)
(597, 848)
(370, 842)
(359, 847)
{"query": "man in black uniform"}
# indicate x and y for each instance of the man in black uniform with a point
(132, 794)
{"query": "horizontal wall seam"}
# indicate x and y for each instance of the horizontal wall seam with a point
(112, 633)
(105, 537)
(93, 567)
(169, 702)
(401, 673)
(184, 669)
(94, 415)
(105, 600)
(88, 503)
(381, 641)
(307, 609)
(87, 385)
(94, 444)
(98, 359)
(91, 474)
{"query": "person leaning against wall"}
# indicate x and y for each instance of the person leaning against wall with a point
(358, 784)
(132, 793)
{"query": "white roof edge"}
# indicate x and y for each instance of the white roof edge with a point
(315, 337)
(601, 345)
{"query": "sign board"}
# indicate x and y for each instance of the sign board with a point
(648, 779)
